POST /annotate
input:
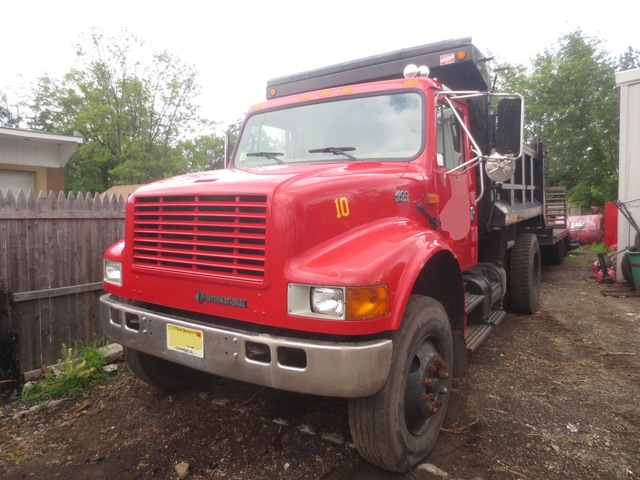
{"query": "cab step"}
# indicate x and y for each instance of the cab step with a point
(476, 333)
(471, 301)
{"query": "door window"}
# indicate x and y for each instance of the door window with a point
(449, 138)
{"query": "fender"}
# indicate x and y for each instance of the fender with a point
(392, 251)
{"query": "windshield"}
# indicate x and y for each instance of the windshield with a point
(381, 127)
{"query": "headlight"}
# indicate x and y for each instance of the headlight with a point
(327, 301)
(339, 303)
(113, 272)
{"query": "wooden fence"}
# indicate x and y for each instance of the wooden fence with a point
(51, 265)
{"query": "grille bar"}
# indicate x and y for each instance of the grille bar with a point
(221, 235)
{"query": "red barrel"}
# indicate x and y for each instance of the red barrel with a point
(586, 229)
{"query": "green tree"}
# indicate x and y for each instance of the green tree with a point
(203, 153)
(134, 108)
(7, 119)
(208, 151)
(630, 59)
(571, 103)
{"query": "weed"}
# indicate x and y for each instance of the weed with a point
(587, 254)
(12, 458)
(78, 368)
(594, 248)
(581, 259)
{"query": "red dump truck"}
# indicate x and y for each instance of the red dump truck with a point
(375, 221)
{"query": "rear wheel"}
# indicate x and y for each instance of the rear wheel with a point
(162, 374)
(524, 274)
(398, 426)
(557, 252)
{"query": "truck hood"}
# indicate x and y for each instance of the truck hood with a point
(264, 179)
(311, 206)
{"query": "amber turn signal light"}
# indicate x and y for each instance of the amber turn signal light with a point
(366, 303)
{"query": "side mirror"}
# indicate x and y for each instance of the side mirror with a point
(509, 126)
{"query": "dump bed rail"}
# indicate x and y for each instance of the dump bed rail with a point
(457, 63)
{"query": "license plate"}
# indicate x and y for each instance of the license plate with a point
(185, 340)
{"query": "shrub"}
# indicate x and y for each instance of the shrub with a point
(78, 368)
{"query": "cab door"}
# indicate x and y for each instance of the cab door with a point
(456, 189)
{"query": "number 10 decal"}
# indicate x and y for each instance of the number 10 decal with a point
(342, 207)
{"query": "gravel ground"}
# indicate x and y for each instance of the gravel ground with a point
(553, 395)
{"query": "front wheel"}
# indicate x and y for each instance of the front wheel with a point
(398, 426)
(162, 374)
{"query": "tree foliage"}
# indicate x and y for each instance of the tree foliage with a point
(134, 109)
(138, 113)
(7, 119)
(571, 103)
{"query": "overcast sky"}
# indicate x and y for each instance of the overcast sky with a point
(236, 45)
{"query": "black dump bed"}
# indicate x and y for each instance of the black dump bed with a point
(457, 63)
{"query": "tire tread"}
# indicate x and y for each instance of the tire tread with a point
(520, 284)
(377, 430)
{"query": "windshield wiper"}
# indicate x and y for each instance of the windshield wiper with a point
(335, 151)
(271, 155)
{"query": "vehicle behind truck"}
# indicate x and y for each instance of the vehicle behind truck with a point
(375, 221)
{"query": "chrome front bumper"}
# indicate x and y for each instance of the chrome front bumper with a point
(337, 369)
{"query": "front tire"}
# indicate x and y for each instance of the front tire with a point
(161, 374)
(398, 426)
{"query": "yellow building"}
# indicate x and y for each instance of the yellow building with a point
(31, 160)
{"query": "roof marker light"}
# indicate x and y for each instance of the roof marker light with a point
(410, 71)
(413, 71)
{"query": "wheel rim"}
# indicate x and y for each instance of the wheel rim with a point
(426, 384)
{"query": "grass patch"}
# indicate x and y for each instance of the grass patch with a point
(594, 248)
(79, 367)
(581, 259)
(585, 255)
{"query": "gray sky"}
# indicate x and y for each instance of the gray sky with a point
(235, 46)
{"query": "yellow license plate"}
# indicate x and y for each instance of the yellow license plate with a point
(185, 340)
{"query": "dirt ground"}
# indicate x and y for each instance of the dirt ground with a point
(549, 396)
